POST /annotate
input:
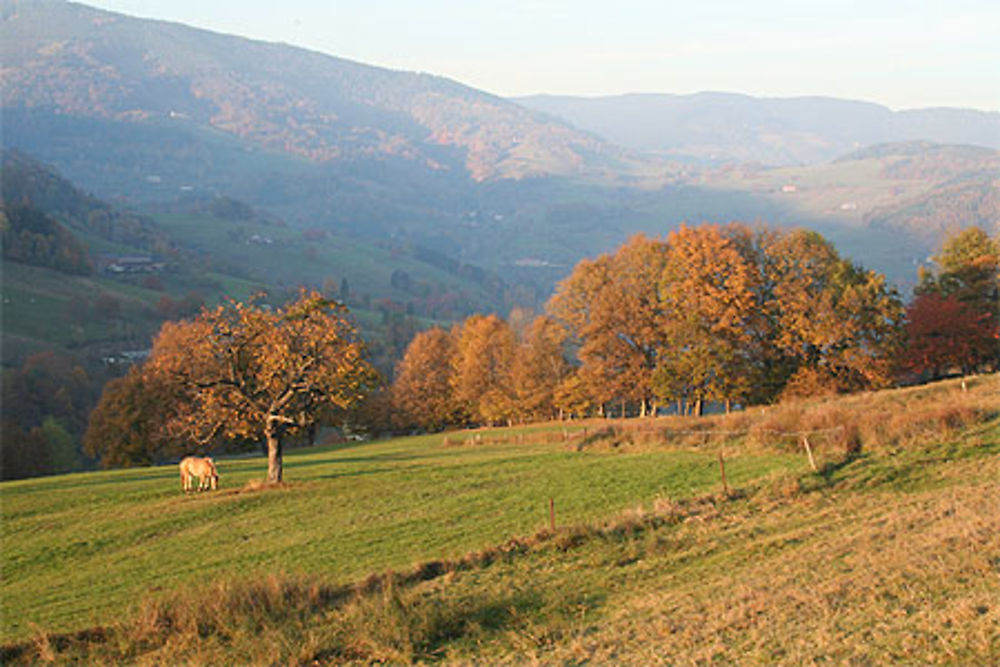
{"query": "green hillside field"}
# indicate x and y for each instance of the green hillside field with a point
(438, 547)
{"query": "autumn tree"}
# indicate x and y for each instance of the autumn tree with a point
(249, 371)
(423, 392)
(708, 290)
(967, 267)
(611, 308)
(540, 366)
(954, 320)
(944, 332)
(571, 397)
(836, 325)
(484, 354)
(126, 426)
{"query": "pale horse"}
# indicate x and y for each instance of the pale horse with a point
(203, 469)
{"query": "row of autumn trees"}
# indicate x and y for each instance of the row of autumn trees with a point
(726, 314)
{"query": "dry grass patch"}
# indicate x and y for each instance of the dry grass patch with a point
(863, 582)
(838, 426)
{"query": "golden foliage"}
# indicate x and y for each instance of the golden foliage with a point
(248, 371)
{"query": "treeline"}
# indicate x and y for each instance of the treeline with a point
(711, 313)
(46, 405)
(29, 236)
(724, 314)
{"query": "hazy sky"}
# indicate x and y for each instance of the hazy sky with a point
(903, 54)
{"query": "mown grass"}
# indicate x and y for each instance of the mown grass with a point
(888, 554)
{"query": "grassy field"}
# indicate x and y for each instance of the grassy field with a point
(38, 308)
(346, 512)
(891, 552)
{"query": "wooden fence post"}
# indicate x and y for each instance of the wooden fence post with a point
(809, 453)
(552, 514)
(722, 469)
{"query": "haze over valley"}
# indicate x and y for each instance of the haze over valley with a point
(146, 112)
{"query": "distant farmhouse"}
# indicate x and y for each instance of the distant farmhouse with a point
(126, 357)
(121, 264)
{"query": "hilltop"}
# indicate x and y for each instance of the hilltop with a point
(886, 553)
(69, 59)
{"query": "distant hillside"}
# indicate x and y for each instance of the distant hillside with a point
(719, 127)
(31, 237)
(24, 180)
(161, 118)
(201, 250)
(81, 62)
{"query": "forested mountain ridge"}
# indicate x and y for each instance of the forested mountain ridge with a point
(79, 61)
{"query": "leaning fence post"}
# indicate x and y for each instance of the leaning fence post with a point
(809, 453)
(722, 469)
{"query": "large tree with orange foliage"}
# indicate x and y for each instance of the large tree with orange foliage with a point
(423, 393)
(539, 367)
(834, 325)
(248, 371)
(708, 289)
(611, 307)
(484, 355)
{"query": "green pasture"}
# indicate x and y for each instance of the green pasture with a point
(38, 304)
(79, 549)
(291, 260)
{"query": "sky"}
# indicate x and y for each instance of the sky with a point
(903, 54)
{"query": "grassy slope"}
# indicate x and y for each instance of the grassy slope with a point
(37, 308)
(349, 511)
(893, 555)
(367, 267)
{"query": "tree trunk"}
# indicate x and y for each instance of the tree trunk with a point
(729, 406)
(698, 408)
(274, 463)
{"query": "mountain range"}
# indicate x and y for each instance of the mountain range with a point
(715, 127)
(149, 114)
